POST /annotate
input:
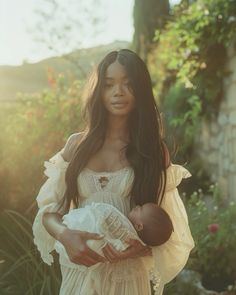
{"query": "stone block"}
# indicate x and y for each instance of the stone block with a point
(232, 116)
(222, 119)
(214, 128)
(232, 187)
(230, 95)
(233, 132)
(224, 148)
(226, 165)
(212, 157)
(232, 167)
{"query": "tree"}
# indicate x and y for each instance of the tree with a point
(149, 15)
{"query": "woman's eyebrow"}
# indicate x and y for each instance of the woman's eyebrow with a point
(111, 78)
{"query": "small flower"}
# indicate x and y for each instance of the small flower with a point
(51, 77)
(215, 208)
(231, 19)
(231, 203)
(213, 228)
(203, 65)
(188, 84)
(200, 190)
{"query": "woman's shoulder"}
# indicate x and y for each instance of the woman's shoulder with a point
(175, 174)
(71, 145)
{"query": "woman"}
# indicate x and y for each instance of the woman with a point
(120, 159)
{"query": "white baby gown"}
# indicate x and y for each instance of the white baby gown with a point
(130, 276)
(100, 218)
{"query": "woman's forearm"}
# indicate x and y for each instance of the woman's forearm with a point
(53, 224)
(74, 241)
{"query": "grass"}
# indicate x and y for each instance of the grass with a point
(22, 271)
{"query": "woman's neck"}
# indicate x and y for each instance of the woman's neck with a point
(117, 128)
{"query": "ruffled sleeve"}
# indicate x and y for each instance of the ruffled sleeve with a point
(170, 258)
(48, 200)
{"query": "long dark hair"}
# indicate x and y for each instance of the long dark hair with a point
(146, 150)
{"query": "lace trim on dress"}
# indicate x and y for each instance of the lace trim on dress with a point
(155, 277)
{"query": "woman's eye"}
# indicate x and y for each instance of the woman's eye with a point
(108, 85)
(127, 84)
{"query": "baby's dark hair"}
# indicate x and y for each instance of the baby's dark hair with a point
(157, 227)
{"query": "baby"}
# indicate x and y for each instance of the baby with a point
(149, 224)
(152, 224)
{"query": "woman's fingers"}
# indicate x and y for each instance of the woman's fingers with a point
(133, 242)
(145, 252)
(87, 257)
(78, 250)
(136, 249)
(89, 252)
(111, 253)
(137, 244)
(93, 255)
(91, 236)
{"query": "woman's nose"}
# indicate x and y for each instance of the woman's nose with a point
(118, 90)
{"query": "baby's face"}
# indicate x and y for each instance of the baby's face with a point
(140, 213)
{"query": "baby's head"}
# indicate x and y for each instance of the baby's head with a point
(152, 223)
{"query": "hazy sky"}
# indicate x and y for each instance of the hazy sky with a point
(18, 27)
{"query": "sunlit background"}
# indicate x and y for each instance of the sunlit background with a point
(22, 38)
(47, 50)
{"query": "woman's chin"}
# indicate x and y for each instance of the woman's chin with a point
(118, 114)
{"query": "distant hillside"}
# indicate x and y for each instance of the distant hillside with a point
(31, 78)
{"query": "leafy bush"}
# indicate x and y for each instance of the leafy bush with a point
(212, 221)
(193, 50)
(182, 118)
(33, 129)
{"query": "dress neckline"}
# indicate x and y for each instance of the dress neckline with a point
(108, 172)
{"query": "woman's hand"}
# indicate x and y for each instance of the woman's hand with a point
(77, 249)
(136, 249)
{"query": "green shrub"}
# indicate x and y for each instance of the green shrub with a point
(192, 50)
(212, 221)
(33, 129)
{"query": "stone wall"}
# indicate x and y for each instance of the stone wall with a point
(218, 137)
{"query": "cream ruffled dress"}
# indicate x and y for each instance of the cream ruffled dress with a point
(130, 276)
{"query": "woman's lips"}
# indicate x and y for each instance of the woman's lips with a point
(119, 104)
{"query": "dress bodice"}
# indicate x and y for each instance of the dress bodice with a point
(106, 187)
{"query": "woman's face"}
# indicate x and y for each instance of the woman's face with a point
(117, 95)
